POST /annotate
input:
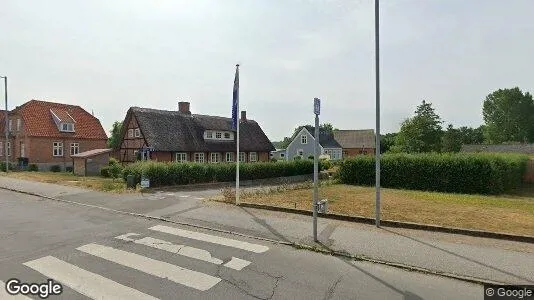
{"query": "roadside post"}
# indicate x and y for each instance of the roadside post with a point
(316, 111)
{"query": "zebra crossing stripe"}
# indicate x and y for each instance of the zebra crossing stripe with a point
(211, 238)
(196, 253)
(183, 276)
(84, 282)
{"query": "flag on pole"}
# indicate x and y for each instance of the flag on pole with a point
(235, 102)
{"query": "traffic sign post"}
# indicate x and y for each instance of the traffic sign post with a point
(316, 111)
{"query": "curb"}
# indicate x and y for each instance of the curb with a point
(335, 253)
(399, 224)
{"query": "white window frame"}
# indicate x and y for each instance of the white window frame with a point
(304, 139)
(229, 156)
(57, 147)
(137, 132)
(74, 148)
(22, 149)
(1, 148)
(19, 123)
(217, 157)
(300, 152)
(227, 134)
(130, 133)
(253, 156)
(200, 158)
(8, 148)
(218, 135)
(242, 156)
(209, 134)
(180, 157)
(67, 127)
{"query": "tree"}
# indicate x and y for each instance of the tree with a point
(452, 140)
(509, 116)
(469, 135)
(387, 141)
(115, 138)
(420, 133)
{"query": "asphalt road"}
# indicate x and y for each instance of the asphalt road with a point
(96, 254)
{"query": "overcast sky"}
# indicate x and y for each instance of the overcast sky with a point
(108, 55)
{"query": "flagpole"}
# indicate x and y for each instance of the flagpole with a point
(237, 141)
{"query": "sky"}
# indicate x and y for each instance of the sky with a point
(109, 55)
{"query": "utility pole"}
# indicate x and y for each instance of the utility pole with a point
(377, 146)
(316, 110)
(6, 116)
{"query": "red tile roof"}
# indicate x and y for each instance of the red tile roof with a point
(63, 115)
(38, 120)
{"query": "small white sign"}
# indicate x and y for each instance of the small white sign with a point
(317, 106)
(145, 182)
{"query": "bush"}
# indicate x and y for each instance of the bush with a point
(311, 157)
(105, 172)
(456, 173)
(55, 168)
(165, 173)
(33, 168)
(69, 169)
(113, 161)
(3, 166)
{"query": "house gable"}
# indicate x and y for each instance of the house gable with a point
(296, 144)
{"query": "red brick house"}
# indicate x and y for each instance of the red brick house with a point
(184, 137)
(47, 133)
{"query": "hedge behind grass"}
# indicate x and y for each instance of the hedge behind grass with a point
(469, 173)
(170, 173)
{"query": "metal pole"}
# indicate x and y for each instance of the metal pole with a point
(6, 116)
(377, 158)
(315, 176)
(237, 141)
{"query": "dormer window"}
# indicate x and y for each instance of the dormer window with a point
(67, 127)
(218, 135)
(209, 134)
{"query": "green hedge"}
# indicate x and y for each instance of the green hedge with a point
(456, 173)
(165, 173)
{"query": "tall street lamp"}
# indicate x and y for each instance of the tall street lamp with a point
(6, 128)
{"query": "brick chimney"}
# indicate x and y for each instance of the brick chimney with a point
(183, 107)
(243, 115)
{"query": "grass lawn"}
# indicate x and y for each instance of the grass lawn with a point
(507, 213)
(68, 179)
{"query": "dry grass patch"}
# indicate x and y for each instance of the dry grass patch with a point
(68, 179)
(509, 213)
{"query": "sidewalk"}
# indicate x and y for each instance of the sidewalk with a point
(487, 259)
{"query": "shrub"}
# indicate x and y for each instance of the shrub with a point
(161, 173)
(69, 169)
(115, 170)
(105, 171)
(33, 168)
(311, 157)
(3, 166)
(457, 173)
(113, 161)
(55, 168)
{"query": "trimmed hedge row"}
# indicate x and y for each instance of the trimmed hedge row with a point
(167, 173)
(455, 173)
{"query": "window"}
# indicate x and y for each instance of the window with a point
(74, 148)
(253, 156)
(304, 139)
(130, 133)
(214, 157)
(227, 135)
(181, 157)
(300, 152)
(209, 134)
(8, 149)
(1, 149)
(10, 125)
(241, 156)
(57, 149)
(199, 157)
(229, 156)
(22, 150)
(282, 155)
(67, 127)
(18, 124)
(137, 132)
(218, 135)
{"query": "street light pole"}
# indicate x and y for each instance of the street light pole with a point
(6, 116)
(377, 84)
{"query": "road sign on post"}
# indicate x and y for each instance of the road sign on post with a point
(316, 111)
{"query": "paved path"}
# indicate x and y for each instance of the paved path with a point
(487, 259)
(96, 254)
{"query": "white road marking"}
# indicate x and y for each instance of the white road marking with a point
(89, 284)
(196, 253)
(211, 239)
(193, 279)
(199, 198)
(184, 196)
(237, 263)
(169, 194)
(5, 295)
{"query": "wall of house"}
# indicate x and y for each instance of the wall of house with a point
(162, 156)
(336, 153)
(79, 166)
(95, 163)
(296, 145)
(130, 144)
(351, 152)
(171, 156)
